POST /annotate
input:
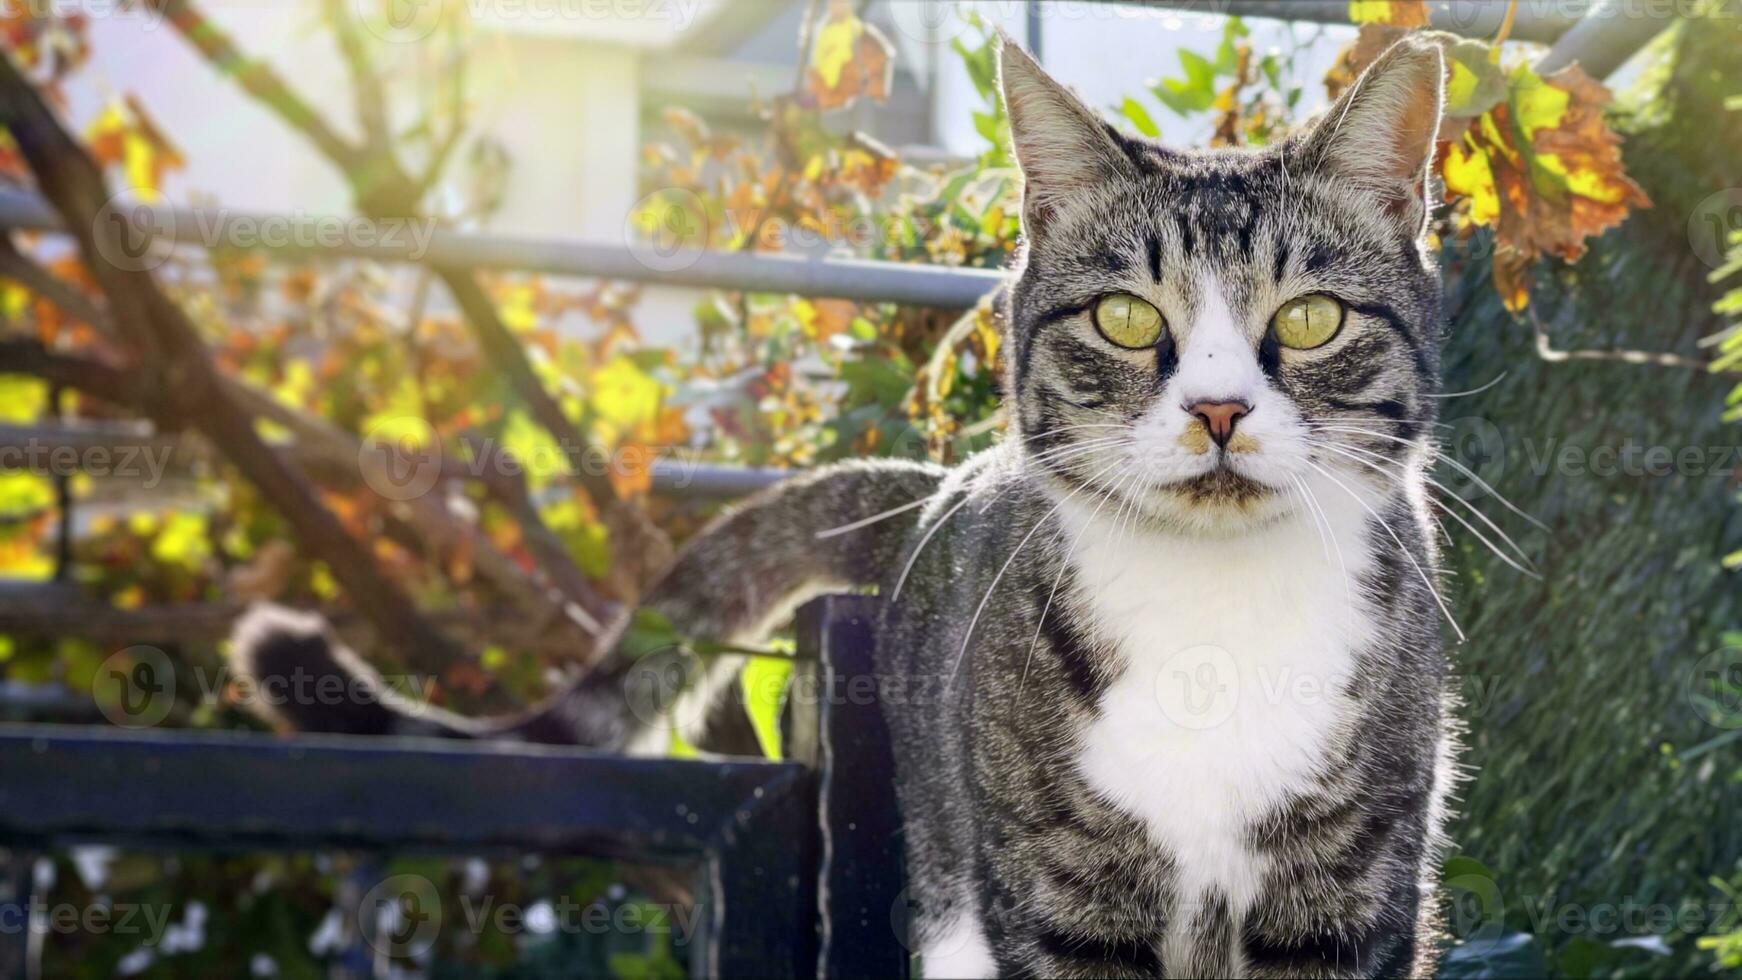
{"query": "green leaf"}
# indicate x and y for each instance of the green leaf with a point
(764, 681)
(649, 632)
(1133, 110)
(1477, 84)
(1193, 93)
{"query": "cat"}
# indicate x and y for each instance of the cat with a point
(1191, 713)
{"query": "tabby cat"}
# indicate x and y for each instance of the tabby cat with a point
(1190, 711)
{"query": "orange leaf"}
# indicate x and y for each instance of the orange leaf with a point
(849, 60)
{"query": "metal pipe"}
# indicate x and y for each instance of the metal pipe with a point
(677, 479)
(33, 447)
(347, 237)
(1542, 21)
(1608, 36)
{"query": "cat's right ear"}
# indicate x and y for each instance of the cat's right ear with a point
(1062, 146)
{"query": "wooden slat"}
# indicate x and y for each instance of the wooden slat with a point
(860, 903)
(62, 784)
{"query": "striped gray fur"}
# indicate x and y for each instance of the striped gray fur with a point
(1001, 651)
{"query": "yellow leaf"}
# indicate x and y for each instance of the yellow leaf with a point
(322, 583)
(624, 396)
(835, 43)
(24, 494)
(182, 541)
(1536, 105)
(1467, 173)
(534, 449)
(850, 59)
(1398, 13)
(1512, 278)
(518, 309)
(141, 163)
(22, 399)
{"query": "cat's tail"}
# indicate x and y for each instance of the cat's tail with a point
(293, 670)
(835, 527)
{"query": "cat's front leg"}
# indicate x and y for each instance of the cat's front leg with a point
(1055, 932)
(1042, 950)
(1378, 941)
(1374, 952)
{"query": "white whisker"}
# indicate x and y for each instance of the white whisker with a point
(1064, 566)
(874, 518)
(968, 637)
(1454, 515)
(1523, 556)
(1425, 580)
(1460, 467)
(1473, 391)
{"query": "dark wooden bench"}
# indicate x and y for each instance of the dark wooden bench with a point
(797, 864)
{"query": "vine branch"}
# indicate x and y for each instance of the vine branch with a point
(1546, 350)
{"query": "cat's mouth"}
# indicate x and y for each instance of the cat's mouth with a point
(1220, 486)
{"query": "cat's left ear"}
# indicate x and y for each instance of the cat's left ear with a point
(1380, 134)
(1064, 149)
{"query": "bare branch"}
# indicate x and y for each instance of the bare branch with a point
(191, 384)
(258, 79)
(20, 355)
(338, 460)
(382, 189)
(16, 266)
(366, 89)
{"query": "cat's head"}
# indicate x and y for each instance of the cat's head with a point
(1193, 332)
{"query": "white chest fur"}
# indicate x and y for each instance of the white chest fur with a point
(1237, 652)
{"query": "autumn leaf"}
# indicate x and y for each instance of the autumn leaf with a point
(1395, 13)
(850, 60)
(623, 396)
(1512, 278)
(1544, 170)
(1531, 156)
(123, 135)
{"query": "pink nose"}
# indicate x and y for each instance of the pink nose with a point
(1220, 418)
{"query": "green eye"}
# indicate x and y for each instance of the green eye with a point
(1307, 321)
(1128, 321)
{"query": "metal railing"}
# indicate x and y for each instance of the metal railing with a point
(796, 865)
